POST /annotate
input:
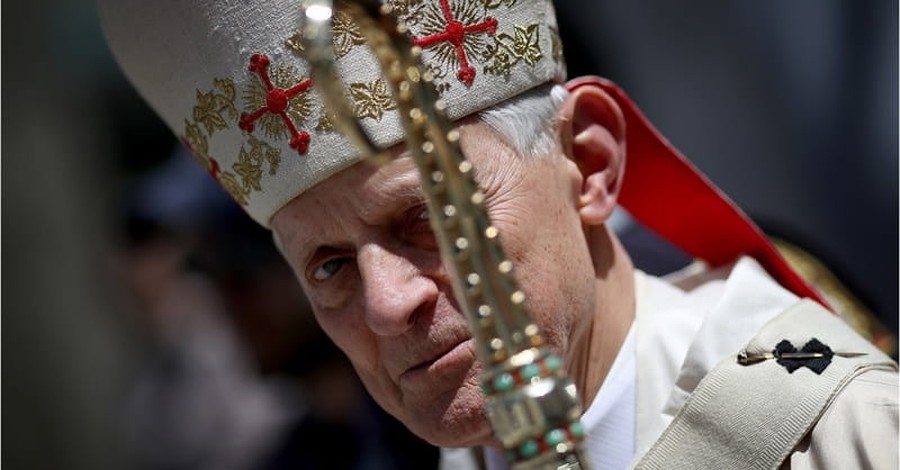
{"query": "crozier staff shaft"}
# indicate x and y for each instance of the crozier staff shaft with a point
(531, 403)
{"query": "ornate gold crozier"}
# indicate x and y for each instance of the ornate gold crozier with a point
(532, 404)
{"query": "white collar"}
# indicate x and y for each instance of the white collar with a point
(689, 322)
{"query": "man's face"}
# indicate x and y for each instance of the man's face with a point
(361, 244)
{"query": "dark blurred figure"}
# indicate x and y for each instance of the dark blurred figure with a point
(198, 402)
(241, 376)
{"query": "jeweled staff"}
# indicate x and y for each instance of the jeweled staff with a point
(532, 405)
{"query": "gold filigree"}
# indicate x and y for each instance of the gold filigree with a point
(325, 123)
(345, 34)
(250, 163)
(283, 77)
(408, 11)
(195, 139)
(495, 4)
(215, 108)
(295, 42)
(435, 23)
(508, 50)
(439, 75)
(371, 100)
(455, 32)
(231, 185)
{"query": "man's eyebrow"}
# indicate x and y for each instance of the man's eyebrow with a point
(401, 184)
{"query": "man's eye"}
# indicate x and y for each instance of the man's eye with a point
(415, 216)
(328, 269)
(417, 227)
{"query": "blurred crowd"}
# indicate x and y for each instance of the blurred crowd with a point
(238, 374)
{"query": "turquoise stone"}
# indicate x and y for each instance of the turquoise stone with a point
(552, 363)
(504, 382)
(528, 449)
(530, 371)
(576, 429)
(555, 436)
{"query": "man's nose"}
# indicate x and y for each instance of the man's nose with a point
(395, 290)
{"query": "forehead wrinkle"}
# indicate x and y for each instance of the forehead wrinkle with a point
(396, 182)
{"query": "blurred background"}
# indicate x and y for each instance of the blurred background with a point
(137, 335)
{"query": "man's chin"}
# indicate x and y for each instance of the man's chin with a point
(457, 420)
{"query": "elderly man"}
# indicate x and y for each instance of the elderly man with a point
(694, 371)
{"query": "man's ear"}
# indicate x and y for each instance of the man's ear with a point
(592, 130)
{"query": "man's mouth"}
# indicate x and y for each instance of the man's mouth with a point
(447, 360)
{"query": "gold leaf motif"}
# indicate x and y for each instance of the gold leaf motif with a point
(214, 108)
(273, 156)
(250, 163)
(295, 42)
(249, 170)
(371, 100)
(325, 123)
(196, 141)
(230, 184)
(442, 87)
(495, 4)
(345, 34)
(408, 11)
(509, 50)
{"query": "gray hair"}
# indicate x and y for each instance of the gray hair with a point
(527, 122)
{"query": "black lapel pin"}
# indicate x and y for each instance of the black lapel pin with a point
(815, 355)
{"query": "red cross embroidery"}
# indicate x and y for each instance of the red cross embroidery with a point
(276, 103)
(455, 34)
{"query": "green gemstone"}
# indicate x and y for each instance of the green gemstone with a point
(485, 388)
(528, 449)
(552, 363)
(576, 429)
(530, 371)
(555, 436)
(504, 382)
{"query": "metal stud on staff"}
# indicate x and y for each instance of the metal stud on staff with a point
(532, 405)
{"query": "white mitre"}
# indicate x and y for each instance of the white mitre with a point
(227, 78)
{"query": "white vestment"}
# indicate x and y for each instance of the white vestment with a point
(685, 324)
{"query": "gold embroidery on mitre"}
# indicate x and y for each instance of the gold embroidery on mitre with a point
(295, 42)
(325, 122)
(495, 4)
(408, 11)
(344, 35)
(214, 109)
(230, 184)
(195, 140)
(509, 50)
(250, 163)
(255, 98)
(371, 100)
(456, 32)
